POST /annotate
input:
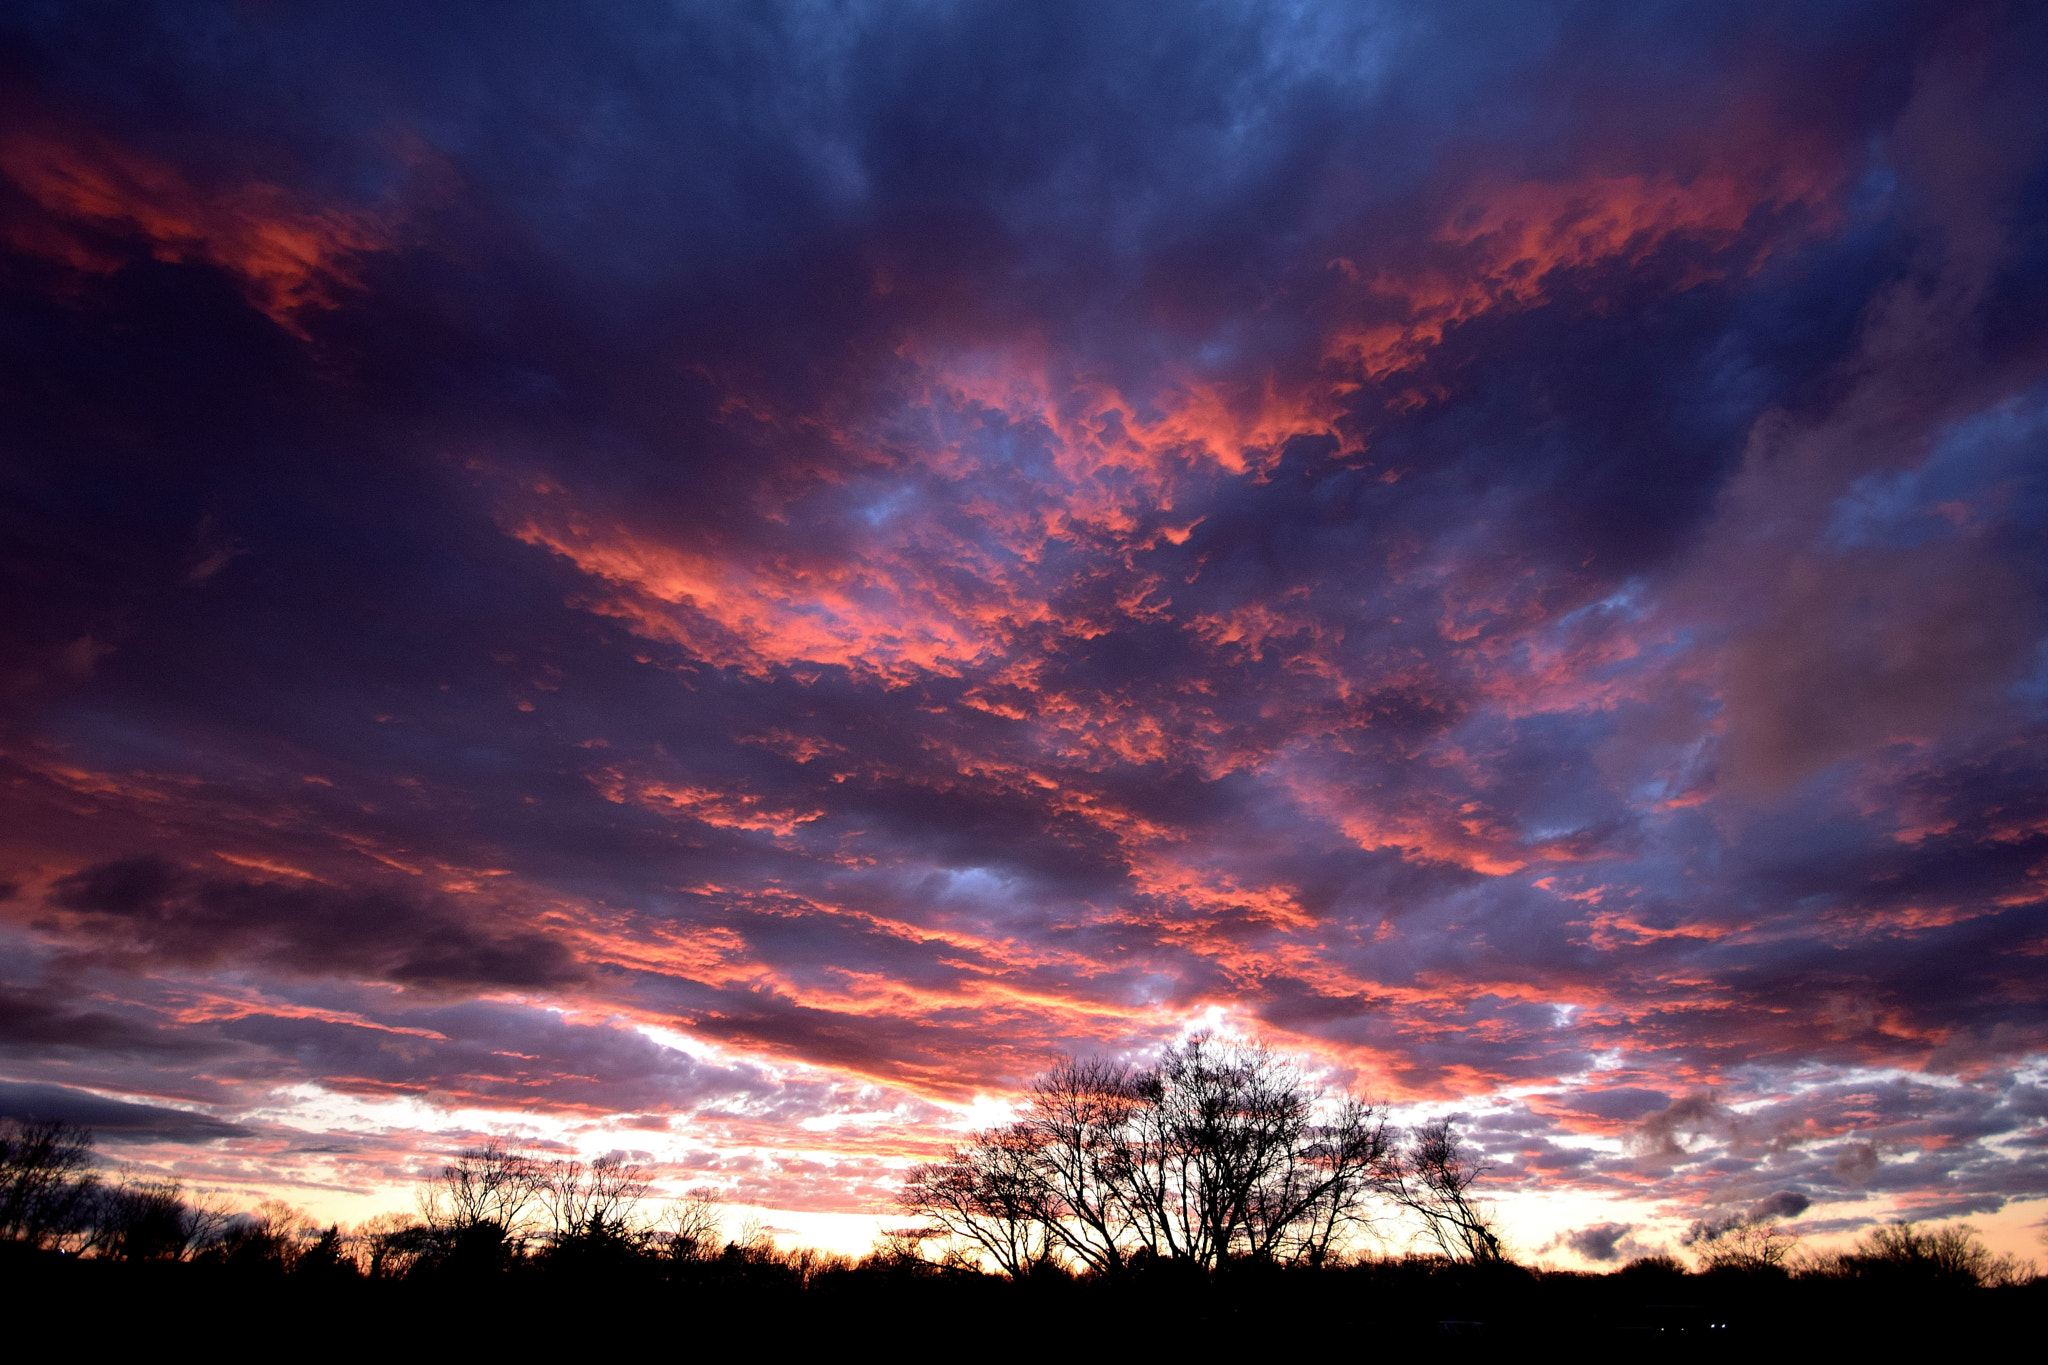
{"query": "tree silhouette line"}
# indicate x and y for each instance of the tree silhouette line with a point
(1222, 1153)
(1216, 1180)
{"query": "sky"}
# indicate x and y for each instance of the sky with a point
(729, 583)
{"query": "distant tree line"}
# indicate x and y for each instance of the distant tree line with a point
(1221, 1156)
(52, 1196)
(1903, 1252)
(490, 1206)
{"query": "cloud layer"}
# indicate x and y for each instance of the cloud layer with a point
(754, 580)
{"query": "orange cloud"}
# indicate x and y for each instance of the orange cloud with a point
(1120, 457)
(1505, 247)
(289, 256)
(760, 615)
(722, 809)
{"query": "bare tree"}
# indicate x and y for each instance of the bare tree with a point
(991, 1193)
(478, 1203)
(903, 1249)
(1232, 1153)
(151, 1219)
(1434, 1179)
(273, 1233)
(1223, 1150)
(752, 1238)
(142, 1221)
(390, 1244)
(805, 1264)
(1740, 1243)
(593, 1205)
(46, 1180)
(1317, 1189)
(283, 1222)
(1955, 1254)
(1068, 1159)
(692, 1224)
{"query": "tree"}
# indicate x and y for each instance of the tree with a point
(1319, 1187)
(329, 1258)
(273, 1234)
(592, 1204)
(393, 1243)
(150, 1219)
(1740, 1243)
(1434, 1180)
(1228, 1158)
(989, 1193)
(1065, 1166)
(477, 1205)
(1955, 1255)
(902, 1251)
(47, 1184)
(1222, 1151)
(691, 1227)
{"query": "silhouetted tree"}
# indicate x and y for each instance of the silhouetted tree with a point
(47, 1184)
(1227, 1157)
(151, 1220)
(271, 1236)
(989, 1193)
(1065, 1166)
(904, 1251)
(1656, 1266)
(391, 1244)
(477, 1206)
(1221, 1151)
(328, 1258)
(1953, 1255)
(1740, 1243)
(593, 1210)
(691, 1227)
(1434, 1180)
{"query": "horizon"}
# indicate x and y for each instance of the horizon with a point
(730, 587)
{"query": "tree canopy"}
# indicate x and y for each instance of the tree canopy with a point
(1221, 1151)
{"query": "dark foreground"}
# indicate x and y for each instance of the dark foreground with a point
(734, 1303)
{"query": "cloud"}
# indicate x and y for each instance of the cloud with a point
(1783, 1204)
(113, 1120)
(1858, 1162)
(1666, 1132)
(1599, 1242)
(37, 1022)
(102, 205)
(1769, 1210)
(150, 905)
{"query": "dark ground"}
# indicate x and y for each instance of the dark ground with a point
(730, 1305)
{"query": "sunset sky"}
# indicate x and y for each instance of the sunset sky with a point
(729, 583)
